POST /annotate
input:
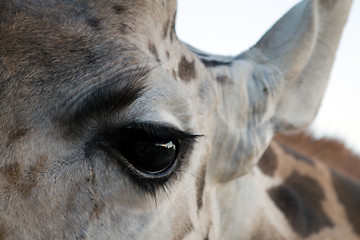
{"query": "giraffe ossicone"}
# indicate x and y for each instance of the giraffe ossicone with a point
(112, 128)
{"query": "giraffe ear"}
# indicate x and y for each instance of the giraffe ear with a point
(275, 86)
(302, 47)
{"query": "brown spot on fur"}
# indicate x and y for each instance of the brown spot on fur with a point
(23, 181)
(200, 185)
(11, 173)
(166, 28)
(172, 29)
(16, 134)
(97, 210)
(223, 79)
(118, 9)
(174, 74)
(331, 152)
(71, 197)
(167, 54)
(186, 69)
(2, 232)
(154, 52)
(268, 162)
(98, 204)
(70, 200)
(348, 194)
(299, 198)
(186, 229)
(25, 187)
(30, 180)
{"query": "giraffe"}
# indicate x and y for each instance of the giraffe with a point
(112, 128)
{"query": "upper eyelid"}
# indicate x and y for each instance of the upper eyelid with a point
(152, 129)
(119, 90)
(154, 125)
(107, 98)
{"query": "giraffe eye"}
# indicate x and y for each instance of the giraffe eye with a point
(151, 155)
(148, 150)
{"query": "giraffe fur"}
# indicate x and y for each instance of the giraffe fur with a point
(112, 128)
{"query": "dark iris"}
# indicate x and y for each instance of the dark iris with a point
(151, 156)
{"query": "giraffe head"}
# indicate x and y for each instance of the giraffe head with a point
(112, 128)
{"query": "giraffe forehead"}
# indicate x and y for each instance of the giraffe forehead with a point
(110, 17)
(102, 30)
(64, 51)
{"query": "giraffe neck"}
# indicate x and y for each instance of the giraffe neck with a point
(290, 196)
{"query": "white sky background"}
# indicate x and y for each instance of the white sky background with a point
(229, 27)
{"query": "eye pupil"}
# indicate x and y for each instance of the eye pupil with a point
(151, 156)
